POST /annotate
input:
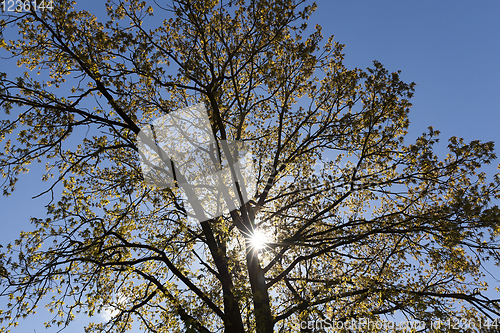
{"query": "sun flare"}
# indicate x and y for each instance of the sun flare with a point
(259, 239)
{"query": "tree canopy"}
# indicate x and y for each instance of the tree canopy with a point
(359, 223)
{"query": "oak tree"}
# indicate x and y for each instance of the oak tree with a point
(359, 223)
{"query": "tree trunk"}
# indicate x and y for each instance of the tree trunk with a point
(262, 308)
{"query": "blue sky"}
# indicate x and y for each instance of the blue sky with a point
(449, 48)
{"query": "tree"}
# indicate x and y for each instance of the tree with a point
(382, 227)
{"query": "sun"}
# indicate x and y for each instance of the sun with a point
(259, 239)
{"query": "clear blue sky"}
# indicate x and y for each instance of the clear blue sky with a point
(449, 48)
